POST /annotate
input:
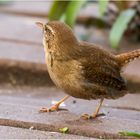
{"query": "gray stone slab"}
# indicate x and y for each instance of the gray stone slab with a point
(47, 95)
(7, 132)
(23, 52)
(82, 106)
(21, 39)
(26, 117)
(20, 28)
(34, 8)
(21, 110)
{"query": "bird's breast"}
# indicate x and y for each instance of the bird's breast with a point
(65, 74)
(51, 67)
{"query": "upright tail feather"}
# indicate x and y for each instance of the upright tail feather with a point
(125, 58)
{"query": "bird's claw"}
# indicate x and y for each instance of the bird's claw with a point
(87, 116)
(44, 109)
(52, 109)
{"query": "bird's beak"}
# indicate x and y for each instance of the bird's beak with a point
(40, 25)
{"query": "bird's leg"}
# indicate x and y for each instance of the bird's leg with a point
(54, 107)
(95, 114)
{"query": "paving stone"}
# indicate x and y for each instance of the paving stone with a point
(22, 40)
(23, 52)
(21, 116)
(49, 94)
(34, 8)
(82, 106)
(21, 28)
(21, 110)
(7, 132)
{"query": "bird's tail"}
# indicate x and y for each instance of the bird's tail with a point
(125, 58)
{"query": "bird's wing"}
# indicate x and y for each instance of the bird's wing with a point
(101, 68)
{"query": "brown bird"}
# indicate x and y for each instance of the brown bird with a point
(81, 69)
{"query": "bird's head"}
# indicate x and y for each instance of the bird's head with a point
(57, 35)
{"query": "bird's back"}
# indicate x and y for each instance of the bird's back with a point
(101, 72)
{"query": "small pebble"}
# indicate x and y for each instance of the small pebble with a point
(74, 101)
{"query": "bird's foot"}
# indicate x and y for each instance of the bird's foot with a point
(54, 108)
(87, 116)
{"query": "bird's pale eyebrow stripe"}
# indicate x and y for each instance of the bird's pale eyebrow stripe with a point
(50, 28)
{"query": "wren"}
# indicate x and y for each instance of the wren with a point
(81, 69)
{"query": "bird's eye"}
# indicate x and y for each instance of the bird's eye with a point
(47, 33)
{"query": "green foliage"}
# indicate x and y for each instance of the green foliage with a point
(133, 134)
(66, 11)
(72, 11)
(103, 6)
(57, 10)
(64, 130)
(120, 26)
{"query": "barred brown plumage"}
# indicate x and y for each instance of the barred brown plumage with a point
(81, 69)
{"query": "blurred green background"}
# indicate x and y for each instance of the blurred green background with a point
(125, 20)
